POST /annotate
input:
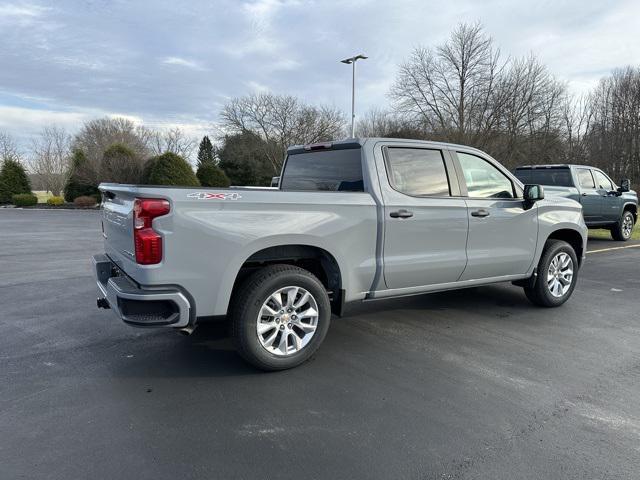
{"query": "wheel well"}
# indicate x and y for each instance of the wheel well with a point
(314, 259)
(633, 209)
(572, 237)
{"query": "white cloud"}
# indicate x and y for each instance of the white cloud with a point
(182, 62)
(13, 10)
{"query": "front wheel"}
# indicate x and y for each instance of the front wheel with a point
(622, 230)
(557, 275)
(280, 316)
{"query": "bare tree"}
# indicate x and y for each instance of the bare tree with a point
(281, 120)
(613, 139)
(49, 159)
(382, 123)
(451, 89)
(174, 141)
(8, 148)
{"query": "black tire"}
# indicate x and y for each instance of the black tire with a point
(248, 301)
(618, 230)
(539, 294)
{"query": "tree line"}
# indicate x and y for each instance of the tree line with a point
(460, 91)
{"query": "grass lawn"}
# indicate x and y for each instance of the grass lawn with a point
(42, 195)
(601, 233)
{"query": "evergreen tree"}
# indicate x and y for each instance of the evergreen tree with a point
(169, 169)
(211, 175)
(205, 152)
(78, 185)
(13, 180)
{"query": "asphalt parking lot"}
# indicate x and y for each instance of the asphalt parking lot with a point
(469, 384)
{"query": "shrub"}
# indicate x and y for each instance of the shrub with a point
(84, 201)
(210, 175)
(169, 169)
(120, 164)
(76, 186)
(13, 180)
(55, 201)
(24, 199)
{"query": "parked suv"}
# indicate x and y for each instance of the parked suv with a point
(351, 221)
(604, 204)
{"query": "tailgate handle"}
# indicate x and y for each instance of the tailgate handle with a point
(401, 214)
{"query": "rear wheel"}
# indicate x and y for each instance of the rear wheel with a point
(622, 230)
(280, 316)
(557, 275)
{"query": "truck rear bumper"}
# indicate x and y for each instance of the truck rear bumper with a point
(161, 307)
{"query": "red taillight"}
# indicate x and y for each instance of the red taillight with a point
(148, 242)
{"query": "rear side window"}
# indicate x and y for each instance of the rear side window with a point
(324, 170)
(557, 177)
(585, 179)
(417, 171)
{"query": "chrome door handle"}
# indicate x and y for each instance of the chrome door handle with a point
(401, 214)
(480, 213)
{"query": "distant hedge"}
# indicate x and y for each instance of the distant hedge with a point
(24, 199)
(169, 169)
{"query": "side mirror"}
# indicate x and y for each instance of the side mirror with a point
(533, 193)
(625, 185)
(275, 181)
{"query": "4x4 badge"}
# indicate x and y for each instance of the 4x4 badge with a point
(214, 196)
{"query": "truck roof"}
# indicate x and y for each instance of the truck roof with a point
(360, 141)
(554, 165)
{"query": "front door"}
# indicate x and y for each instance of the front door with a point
(590, 198)
(502, 232)
(425, 219)
(610, 203)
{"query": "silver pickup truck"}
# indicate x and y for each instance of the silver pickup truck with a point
(604, 204)
(351, 221)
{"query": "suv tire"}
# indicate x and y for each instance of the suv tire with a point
(622, 230)
(550, 288)
(270, 321)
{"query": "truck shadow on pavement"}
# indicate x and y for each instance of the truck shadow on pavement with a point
(209, 351)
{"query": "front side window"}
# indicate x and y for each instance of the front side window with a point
(585, 179)
(602, 181)
(483, 179)
(330, 170)
(417, 171)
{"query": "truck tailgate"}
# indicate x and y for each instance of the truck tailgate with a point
(117, 223)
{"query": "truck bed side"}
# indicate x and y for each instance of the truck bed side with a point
(209, 234)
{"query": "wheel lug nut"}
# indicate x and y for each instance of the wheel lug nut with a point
(282, 327)
(281, 311)
(289, 310)
(289, 325)
(277, 320)
(293, 317)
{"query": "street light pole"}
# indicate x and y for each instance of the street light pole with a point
(352, 61)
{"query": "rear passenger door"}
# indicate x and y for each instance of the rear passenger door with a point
(503, 231)
(590, 198)
(425, 219)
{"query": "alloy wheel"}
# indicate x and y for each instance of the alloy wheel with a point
(560, 274)
(287, 321)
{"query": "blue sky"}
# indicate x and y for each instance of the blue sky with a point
(168, 63)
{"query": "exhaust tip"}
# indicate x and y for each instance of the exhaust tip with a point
(186, 331)
(103, 303)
